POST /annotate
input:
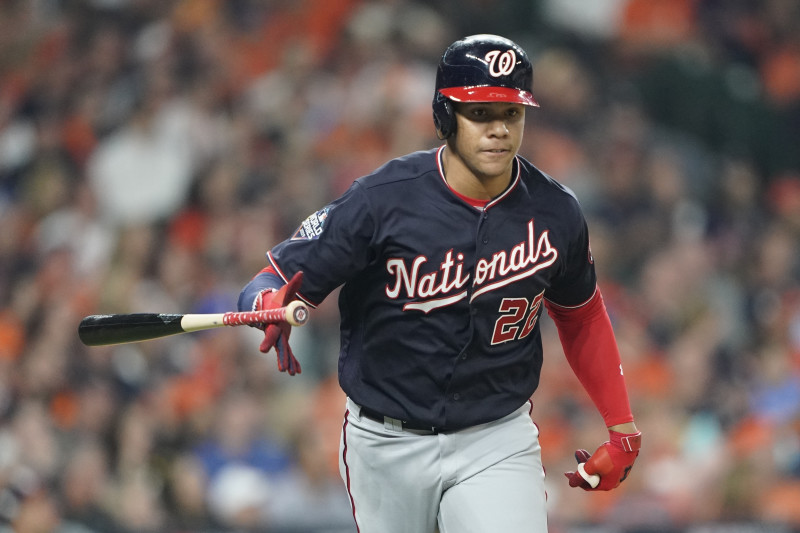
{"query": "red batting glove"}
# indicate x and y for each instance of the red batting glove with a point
(277, 335)
(612, 461)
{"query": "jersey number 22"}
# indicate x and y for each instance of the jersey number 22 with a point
(517, 320)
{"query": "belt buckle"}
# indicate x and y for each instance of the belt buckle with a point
(433, 429)
(395, 424)
(392, 424)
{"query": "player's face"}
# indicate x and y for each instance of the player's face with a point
(488, 136)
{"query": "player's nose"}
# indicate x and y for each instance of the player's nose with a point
(498, 128)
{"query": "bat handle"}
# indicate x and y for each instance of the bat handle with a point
(295, 313)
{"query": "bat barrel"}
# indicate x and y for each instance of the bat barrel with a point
(98, 330)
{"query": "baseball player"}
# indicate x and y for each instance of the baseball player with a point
(446, 259)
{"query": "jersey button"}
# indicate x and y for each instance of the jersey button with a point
(486, 240)
(456, 396)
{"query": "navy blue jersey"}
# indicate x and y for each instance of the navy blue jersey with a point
(440, 301)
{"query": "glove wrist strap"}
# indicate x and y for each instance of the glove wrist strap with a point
(630, 442)
(258, 302)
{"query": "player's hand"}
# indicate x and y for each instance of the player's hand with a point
(612, 462)
(277, 335)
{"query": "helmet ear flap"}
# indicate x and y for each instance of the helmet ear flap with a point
(443, 116)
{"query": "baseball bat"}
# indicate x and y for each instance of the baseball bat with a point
(98, 330)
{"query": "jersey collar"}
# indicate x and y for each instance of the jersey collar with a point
(479, 204)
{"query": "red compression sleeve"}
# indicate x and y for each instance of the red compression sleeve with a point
(591, 350)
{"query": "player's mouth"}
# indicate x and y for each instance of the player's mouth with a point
(496, 151)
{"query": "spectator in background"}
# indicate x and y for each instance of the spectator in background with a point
(310, 498)
(700, 131)
(141, 174)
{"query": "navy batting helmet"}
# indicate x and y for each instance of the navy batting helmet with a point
(480, 68)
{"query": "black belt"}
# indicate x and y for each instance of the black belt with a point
(414, 426)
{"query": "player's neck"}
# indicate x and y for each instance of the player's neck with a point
(467, 183)
(477, 203)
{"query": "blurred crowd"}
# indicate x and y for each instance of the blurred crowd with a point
(151, 151)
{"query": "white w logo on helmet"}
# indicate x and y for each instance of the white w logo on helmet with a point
(501, 64)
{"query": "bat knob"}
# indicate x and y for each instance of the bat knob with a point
(299, 313)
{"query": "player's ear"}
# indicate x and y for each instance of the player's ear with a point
(443, 116)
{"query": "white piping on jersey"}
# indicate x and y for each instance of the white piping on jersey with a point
(512, 279)
(286, 280)
(596, 289)
(429, 305)
(493, 201)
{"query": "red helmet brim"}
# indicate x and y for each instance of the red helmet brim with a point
(489, 94)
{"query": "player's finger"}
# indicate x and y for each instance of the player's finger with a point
(292, 363)
(575, 480)
(271, 335)
(286, 360)
(600, 462)
(284, 365)
(582, 456)
(280, 350)
(291, 288)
